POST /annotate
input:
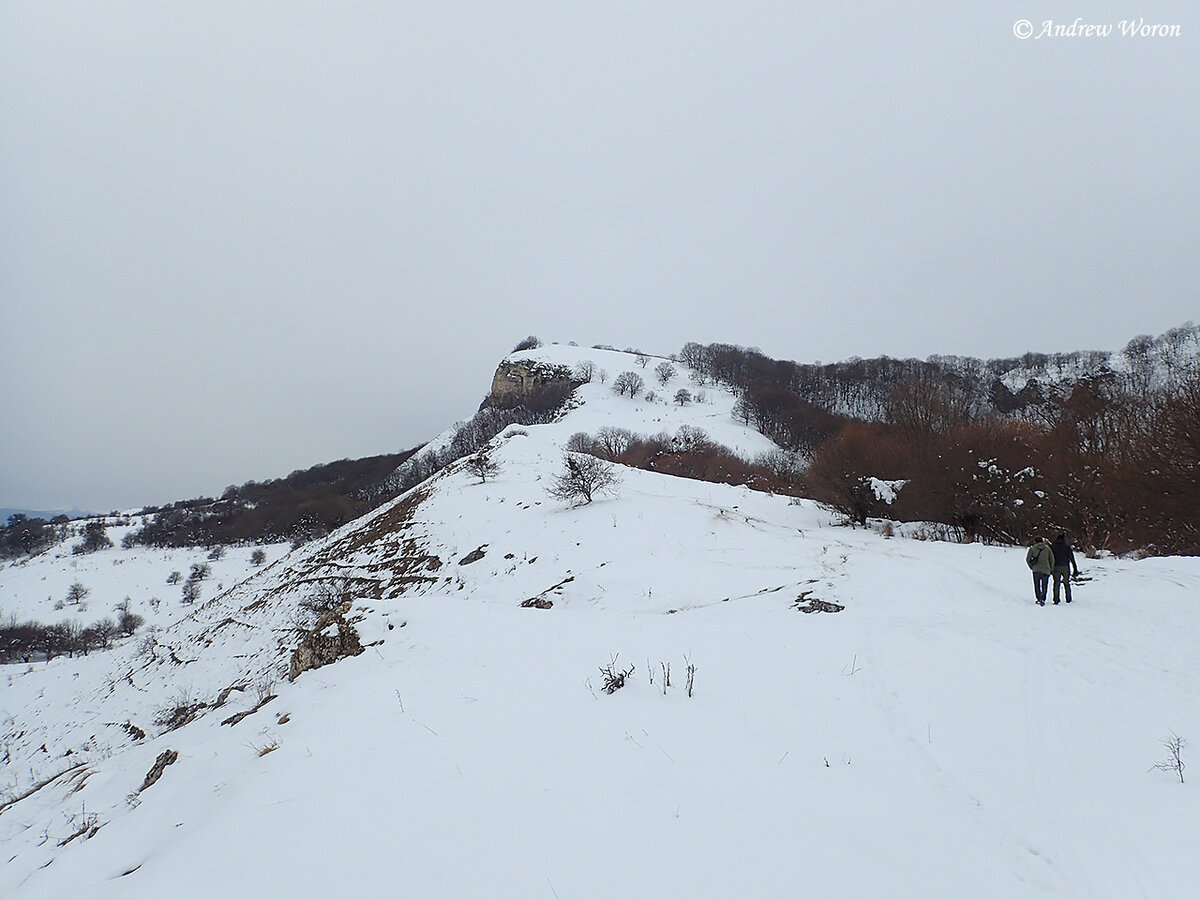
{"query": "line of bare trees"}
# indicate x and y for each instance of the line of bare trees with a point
(29, 640)
(1113, 458)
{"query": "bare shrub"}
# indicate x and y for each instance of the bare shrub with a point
(482, 466)
(530, 343)
(1174, 762)
(582, 478)
(689, 439)
(129, 622)
(181, 710)
(614, 678)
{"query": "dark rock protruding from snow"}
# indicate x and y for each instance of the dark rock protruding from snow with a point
(164, 759)
(331, 639)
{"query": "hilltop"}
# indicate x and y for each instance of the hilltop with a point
(848, 713)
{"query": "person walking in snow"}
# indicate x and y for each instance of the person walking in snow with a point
(1040, 559)
(1064, 563)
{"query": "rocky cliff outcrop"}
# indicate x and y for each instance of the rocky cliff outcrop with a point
(528, 382)
(329, 640)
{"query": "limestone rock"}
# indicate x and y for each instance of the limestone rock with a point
(331, 639)
(164, 759)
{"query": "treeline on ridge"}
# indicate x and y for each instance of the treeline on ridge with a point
(307, 504)
(1111, 456)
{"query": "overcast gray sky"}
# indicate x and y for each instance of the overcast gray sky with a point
(238, 238)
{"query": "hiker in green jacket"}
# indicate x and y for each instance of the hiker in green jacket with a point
(1040, 559)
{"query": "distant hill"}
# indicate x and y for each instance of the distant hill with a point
(8, 512)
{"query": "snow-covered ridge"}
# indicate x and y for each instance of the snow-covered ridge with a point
(941, 726)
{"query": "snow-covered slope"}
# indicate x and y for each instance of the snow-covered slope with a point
(940, 736)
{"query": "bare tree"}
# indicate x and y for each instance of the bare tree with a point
(76, 593)
(482, 466)
(106, 630)
(582, 478)
(129, 622)
(612, 442)
(95, 537)
(683, 396)
(630, 383)
(585, 371)
(689, 438)
(191, 591)
(665, 372)
(642, 359)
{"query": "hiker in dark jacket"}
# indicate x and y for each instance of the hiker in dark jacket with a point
(1064, 563)
(1040, 560)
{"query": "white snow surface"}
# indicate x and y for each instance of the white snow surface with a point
(940, 737)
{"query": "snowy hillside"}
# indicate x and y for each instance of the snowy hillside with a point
(931, 734)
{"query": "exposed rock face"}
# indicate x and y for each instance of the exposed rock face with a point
(330, 639)
(474, 556)
(164, 759)
(516, 381)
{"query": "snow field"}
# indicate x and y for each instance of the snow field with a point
(941, 737)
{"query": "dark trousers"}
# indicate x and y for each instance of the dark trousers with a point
(1062, 574)
(1041, 581)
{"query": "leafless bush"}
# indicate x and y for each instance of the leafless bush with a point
(145, 650)
(690, 682)
(614, 678)
(322, 597)
(482, 466)
(183, 709)
(530, 343)
(689, 439)
(1174, 762)
(582, 478)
